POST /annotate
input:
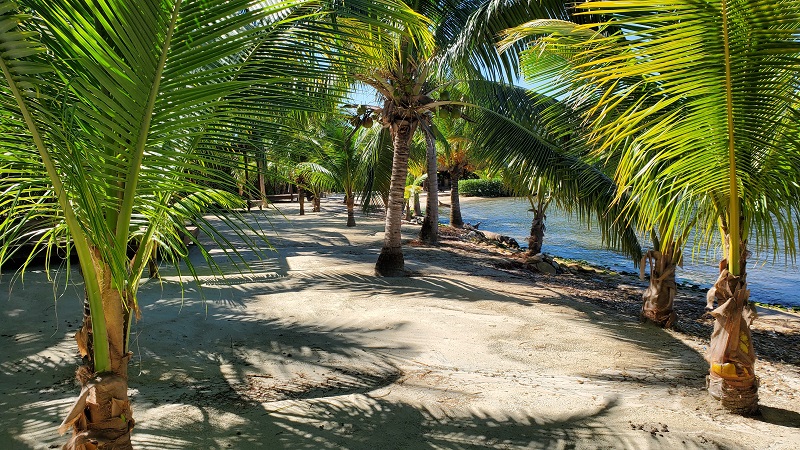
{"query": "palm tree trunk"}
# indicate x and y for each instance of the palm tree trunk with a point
(659, 296)
(390, 261)
(102, 416)
(407, 207)
(429, 233)
(455, 200)
(351, 217)
(731, 354)
(417, 207)
(536, 238)
(538, 228)
(317, 203)
(247, 179)
(301, 198)
(262, 187)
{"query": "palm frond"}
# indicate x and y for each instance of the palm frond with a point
(533, 137)
(679, 90)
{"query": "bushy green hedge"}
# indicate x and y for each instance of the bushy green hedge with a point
(482, 188)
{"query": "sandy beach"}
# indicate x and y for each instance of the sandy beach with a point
(309, 350)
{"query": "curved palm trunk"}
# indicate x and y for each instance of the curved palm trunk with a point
(659, 297)
(731, 354)
(390, 261)
(101, 418)
(429, 233)
(351, 217)
(455, 200)
(317, 203)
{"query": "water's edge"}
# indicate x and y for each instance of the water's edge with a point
(567, 237)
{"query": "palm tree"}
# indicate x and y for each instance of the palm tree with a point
(406, 82)
(533, 141)
(416, 176)
(555, 59)
(339, 160)
(116, 110)
(404, 104)
(456, 158)
(697, 101)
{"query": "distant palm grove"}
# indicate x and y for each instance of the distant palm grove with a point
(126, 126)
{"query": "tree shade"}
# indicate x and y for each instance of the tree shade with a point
(695, 102)
(116, 115)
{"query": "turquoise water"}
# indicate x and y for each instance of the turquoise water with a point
(569, 238)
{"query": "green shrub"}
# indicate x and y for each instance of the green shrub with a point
(482, 188)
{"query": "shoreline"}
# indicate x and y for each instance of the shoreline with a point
(310, 350)
(773, 324)
(700, 268)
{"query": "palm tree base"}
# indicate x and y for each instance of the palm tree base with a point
(737, 397)
(663, 319)
(659, 297)
(101, 417)
(429, 233)
(732, 378)
(390, 263)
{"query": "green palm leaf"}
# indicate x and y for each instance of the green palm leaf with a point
(529, 137)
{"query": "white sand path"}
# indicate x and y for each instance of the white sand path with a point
(311, 351)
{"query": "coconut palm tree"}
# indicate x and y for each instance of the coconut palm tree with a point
(456, 157)
(117, 109)
(339, 160)
(534, 141)
(400, 84)
(416, 176)
(697, 101)
(547, 74)
(406, 84)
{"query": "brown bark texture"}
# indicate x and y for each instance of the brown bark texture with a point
(731, 354)
(390, 261)
(351, 217)
(429, 233)
(659, 297)
(262, 188)
(536, 238)
(301, 198)
(455, 200)
(101, 417)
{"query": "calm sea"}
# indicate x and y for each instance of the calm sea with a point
(769, 282)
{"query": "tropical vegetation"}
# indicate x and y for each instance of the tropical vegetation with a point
(114, 117)
(695, 102)
(124, 126)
